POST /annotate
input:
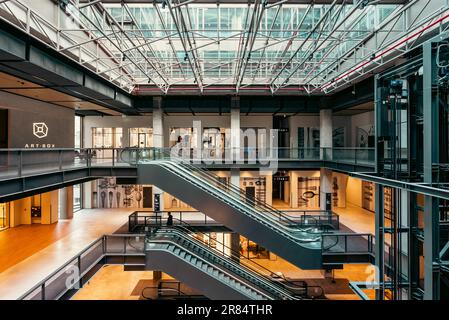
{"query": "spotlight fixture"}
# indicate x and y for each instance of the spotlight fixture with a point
(186, 57)
(373, 56)
(163, 4)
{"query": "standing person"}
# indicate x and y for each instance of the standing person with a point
(169, 219)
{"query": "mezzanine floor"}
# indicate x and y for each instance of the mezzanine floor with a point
(28, 254)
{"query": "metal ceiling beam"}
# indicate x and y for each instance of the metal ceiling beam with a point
(247, 1)
(259, 9)
(185, 41)
(319, 23)
(317, 46)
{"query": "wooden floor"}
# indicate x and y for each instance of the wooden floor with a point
(356, 218)
(31, 253)
(19, 243)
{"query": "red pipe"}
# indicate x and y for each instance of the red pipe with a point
(384, 52)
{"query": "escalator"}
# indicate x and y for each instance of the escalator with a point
(216, 274)
(229, 205)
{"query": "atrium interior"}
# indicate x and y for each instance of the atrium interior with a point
(224, 150)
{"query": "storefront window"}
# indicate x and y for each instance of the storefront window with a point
(186, 136)
(107, 139)
(141, 137)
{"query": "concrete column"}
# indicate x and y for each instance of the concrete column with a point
(325, 186)
(158, 123)
(235, 127)
(125, 128)
(326, 133)
(66, 203)
(235, 177)
(87, 195)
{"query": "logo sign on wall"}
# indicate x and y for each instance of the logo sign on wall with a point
(40, 129)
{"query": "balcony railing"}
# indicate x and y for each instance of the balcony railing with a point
(74, 272)
(26, 162)
(141, 220)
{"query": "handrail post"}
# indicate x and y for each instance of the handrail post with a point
(60, 159)
(80, 280)
(43, 291)
(20, 163)
(113, 156)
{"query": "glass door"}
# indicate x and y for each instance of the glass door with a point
(141, 137)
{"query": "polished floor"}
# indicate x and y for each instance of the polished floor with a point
(31, 253)
(28, 254)
(113, 283)
(356, 218)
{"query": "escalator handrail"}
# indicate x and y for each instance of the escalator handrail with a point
(244, 205)
(227, 273)
(246, 281)
(208, 175)
(213, 179)
(167, 156)
(187, 229)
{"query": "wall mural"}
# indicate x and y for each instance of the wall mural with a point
(308, 192)
(338, 137)
(106, 193)
(364, 135)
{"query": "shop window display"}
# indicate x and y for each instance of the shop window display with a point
(184, 136)
(215, 142)
(252, 250)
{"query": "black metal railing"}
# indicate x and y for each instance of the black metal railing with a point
(141, 220)
(347, 243)
(71, 275)
(25, 162)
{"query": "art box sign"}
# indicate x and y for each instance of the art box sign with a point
(41, 131)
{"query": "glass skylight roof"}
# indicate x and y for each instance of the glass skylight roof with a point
(298, 45)
(235, 44)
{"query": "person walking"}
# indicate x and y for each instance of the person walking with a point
(169, 219)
